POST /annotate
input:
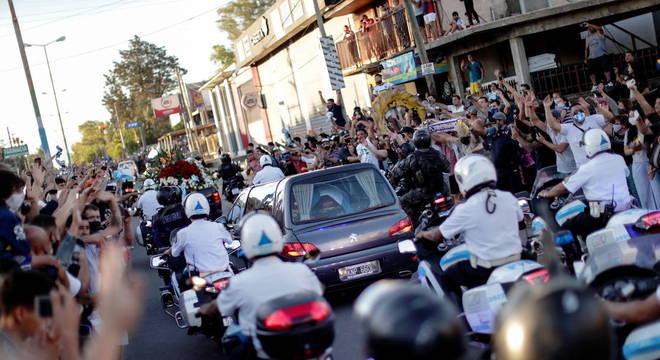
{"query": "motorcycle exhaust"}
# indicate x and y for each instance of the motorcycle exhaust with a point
(405, 274)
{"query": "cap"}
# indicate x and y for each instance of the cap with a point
(499, 116)
(325, 141)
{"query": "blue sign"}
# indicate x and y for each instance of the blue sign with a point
(132, 125)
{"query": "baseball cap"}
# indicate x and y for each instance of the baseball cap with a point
(499, 116)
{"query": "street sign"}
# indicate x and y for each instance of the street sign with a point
(15, 151)
(132, 125)
(332, 63)
(428, 69)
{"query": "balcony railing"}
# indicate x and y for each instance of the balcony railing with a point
(386, 37)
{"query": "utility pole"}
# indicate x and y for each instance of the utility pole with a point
(121, 134)
(187, 117)
(57, 106)
(419, 44)
(28, 76)
(319, 18)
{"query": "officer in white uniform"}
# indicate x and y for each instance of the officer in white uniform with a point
(268, 277)
(268, 172)
(603, 181)
(148, 202)
(202, 242)
(488, 220)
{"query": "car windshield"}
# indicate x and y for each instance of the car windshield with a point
(338, 195)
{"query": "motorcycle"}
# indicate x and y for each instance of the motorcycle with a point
(144, 235)
(233, 188)
(624, 271)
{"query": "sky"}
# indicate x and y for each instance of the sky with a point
(95, 31)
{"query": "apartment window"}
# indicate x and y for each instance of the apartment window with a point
(297, 9)
(285, 14)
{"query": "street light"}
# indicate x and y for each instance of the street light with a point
(52, 84)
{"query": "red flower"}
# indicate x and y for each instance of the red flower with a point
(180, 169)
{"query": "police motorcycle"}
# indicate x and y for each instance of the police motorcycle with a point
(233, 187)
(623, 271)
(186, 290)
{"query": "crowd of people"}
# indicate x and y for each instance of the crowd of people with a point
(65, 290)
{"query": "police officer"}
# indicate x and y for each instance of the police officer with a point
(403, 321)
(602, 179)
(170, 217)
(229, 171)
(148, 201)
(488, 220)
(421, 173)
(268, 277)
(557, 320)
(202, 242)
(504, 152)
(268, 172)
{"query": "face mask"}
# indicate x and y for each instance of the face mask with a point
(51, 197)
(14, 202)
(94, 227)
(633, 119)
(616, 127)
(492, 111)
(491, 131)
(579, 117)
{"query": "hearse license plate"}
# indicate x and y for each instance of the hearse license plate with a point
(359, 270)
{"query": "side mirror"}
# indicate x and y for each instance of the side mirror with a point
(159, 262)
(407, 247)
(221, 220)
(234, 245)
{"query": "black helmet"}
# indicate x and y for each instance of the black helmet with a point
(422, 139)
(408, 322)
(169, 195)
(406, 149)
(558, 320)
(225, 158)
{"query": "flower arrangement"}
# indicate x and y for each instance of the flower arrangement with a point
(191, 175)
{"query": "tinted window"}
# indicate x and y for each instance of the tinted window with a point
(236, 210)
(261, 198)
(339, 194)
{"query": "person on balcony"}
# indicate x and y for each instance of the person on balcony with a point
(349, 37)
(457, 23)
(368, 32)
(472, 16)
(401, 24)
(475, 73)
(431, 23)
(596, 56)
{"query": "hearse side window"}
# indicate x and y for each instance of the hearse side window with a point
(236, 210)
(261, 198)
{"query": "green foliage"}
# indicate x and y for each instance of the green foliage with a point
(223, 55)
(178, 126)
(144, 72)
(237, 15)
(98, 139)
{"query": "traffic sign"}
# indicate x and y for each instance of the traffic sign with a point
(132, 125)
(15, 151)
(332, 63)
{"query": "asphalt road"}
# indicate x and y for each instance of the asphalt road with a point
(158, 337)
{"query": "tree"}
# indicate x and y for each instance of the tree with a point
(223, 55)
(98, 139)
(144, 72)
(236, 16)
(178, 126)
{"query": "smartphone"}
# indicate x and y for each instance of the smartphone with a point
(631, 83)
(43, 307)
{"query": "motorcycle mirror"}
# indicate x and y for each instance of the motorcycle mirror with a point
(234, 245)
(157, 262)
(221, 220)
(312, 256)
(407, 247)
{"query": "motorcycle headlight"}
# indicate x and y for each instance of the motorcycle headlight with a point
(211, 289)
(148, 222)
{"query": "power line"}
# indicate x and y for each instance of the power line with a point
(167, 27)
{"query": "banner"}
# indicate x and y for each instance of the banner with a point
(166, 105)
(399, 69)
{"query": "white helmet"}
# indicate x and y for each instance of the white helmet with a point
(265, 160)
(149, 184)
(260, 235)
(196, 204)
(472, 171)
(595, 141)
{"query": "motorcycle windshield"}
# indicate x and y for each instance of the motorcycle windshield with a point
(642, 252)
(544, 176)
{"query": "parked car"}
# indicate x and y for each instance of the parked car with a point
(350, 213)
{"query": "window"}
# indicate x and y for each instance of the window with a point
(297, 10)
(285, 14)
(338, 195)
(236, 210)
(261, 198)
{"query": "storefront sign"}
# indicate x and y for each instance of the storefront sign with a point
(261, 33)
(428, 69)
(399, 69)
(249, 100)
(166, 105)
(15, 151)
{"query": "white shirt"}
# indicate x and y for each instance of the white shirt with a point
(603, 178)
(487, 236)
(638, 156)
(574, 133)
(565, 160)
(455, 110)
(382, 87)
(202, 243)
(149, 203)
(268, 174)
(366, 156)
(267, 279)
